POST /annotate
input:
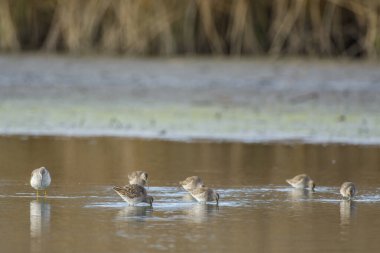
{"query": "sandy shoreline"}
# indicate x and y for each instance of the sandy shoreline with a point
(249, 100)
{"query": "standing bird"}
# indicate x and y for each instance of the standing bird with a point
(40, 179)
(301, 181)
(138, 177)
(348, 190)
(191, 183)
(134, 194)
(204, 194)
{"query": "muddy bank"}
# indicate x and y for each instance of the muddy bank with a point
(210, 98)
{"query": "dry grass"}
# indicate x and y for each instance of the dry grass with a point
(167, 27)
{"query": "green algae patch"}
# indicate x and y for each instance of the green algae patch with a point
(186, 122)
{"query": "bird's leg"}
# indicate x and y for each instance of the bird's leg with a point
(37, 194)
(45, 194)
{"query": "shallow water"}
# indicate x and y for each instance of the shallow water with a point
(258, 212)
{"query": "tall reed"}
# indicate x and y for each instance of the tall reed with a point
(168, 27)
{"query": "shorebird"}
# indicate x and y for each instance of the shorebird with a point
(204, 194)
(191, 183)
(301, 181)
(348, 190)
(138, 177)
(40, 179)
(133, 194)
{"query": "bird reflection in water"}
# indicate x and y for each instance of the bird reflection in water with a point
(135, 212)
(298, 197)
(296, 194)
(347, 210)
(201, 212)
(39, 223)
(188, 198)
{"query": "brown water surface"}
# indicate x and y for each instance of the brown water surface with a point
(258, 212)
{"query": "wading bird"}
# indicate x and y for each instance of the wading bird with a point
(40, 179)
(301, 181)
(205, 194)
(348, 190)
(133, 194)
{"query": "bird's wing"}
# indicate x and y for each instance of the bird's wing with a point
(131, 191)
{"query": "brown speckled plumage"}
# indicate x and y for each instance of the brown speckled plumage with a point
(348, 190)
(205, 194)
(301, 181)
(191, 183)
(133, 194)
(138, 177)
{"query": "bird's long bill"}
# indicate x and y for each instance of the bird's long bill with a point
(146, 180)
(151, 201)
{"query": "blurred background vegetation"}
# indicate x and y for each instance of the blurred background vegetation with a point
(173, 27)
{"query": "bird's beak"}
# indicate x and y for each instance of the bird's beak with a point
(145, 178)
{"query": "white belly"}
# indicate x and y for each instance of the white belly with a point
(40, 183)
(131, 201)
